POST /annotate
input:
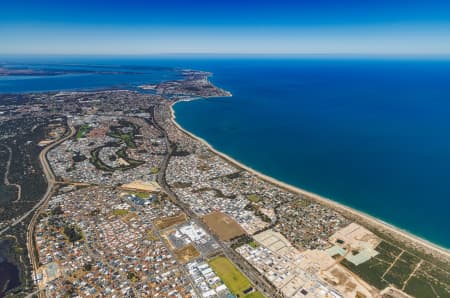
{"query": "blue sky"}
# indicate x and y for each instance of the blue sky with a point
(154, 27)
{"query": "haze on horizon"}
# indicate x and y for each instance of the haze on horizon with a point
(226, 27)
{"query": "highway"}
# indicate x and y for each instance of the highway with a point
(252, 274)
(50, 181)
(50, 177)
(259, 282)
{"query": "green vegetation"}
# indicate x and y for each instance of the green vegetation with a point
(9, 193)
(230, 275)
(132, 164)
(87, 267)
(82, 131)
(132, 276)
(125, 132)
(95, 160)
(233, 175)
(78, 157)
(179, 184)
(128, 139)
(254, 198)
(149, 235)
(142, 195)
(253, 244)
(154, 170)
(428, 280)
(241, 240)
(218, 192)
(401, 270)
(300, 203)
(254, 295)
(94, 212)
(387, 251)
(57, 210)
(120, 212)
(122, 153)
(370, 271)
(73, 233)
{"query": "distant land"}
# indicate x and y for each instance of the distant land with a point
(304, 118)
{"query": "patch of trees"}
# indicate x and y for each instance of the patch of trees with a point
(73, 233)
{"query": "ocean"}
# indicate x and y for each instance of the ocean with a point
(371, 133)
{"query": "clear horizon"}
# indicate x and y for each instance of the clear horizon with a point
(100, 27)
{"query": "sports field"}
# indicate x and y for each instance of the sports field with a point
(232, 277)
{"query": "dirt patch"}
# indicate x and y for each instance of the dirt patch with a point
(166, 222)
(186, 253)
(223, 226)
(340, 276)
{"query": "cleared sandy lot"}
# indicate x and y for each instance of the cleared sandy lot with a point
(223, 226)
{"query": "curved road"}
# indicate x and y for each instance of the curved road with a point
(50, 180)
(38, 207)
(6, 180)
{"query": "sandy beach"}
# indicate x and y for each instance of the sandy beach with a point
(373, 222)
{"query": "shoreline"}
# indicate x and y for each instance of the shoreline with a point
(376, 222)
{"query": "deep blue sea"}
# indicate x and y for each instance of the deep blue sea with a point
(371, 133)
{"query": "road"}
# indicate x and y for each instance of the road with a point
(50, 181)
(252, 274)
(259, 282)
(6, 180)
(50, 177)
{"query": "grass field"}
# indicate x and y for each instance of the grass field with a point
(120, 212)
(254, 295)
(232, 277)
(142, 195)
(253, 244)
(254, 198)
(81, 133)
(154, 170)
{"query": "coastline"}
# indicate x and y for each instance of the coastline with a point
(371, 220)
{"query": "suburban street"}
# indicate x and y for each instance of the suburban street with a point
(257, 279)
(38, 207)
(50, 180)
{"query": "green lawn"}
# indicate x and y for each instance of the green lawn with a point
(82, 131)
(154, 170)
(142, 195)
(253, 244)
(120, 212)
(231, 276)
(254, 198)
(254, 295)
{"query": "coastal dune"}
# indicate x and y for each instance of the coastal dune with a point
(356, 215)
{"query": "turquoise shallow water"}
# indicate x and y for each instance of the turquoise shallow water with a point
(373, 134)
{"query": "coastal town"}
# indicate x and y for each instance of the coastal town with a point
(132, 205)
